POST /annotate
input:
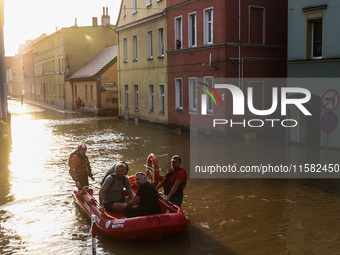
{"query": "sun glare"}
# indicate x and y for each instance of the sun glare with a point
(30, 151)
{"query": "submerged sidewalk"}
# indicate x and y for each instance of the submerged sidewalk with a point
(53, 107)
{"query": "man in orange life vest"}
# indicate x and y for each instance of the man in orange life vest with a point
(80, 167)
(174, 182)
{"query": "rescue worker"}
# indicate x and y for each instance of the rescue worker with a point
(80, 167)
(174, 182)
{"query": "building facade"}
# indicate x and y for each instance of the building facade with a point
(211, 40)
(96, 83)
(59, 55)
(313, 63)
(142, 60)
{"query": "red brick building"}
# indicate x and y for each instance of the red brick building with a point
(215, 39)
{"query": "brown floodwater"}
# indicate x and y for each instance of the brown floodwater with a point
(228, 216)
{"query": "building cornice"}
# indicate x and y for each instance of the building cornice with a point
(313, 61)
(227, 44)
(140, 21)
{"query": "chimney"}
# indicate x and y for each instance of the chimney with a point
(94, 21)
(75, 23)
(105, 17)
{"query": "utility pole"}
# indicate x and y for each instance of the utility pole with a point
(3, 82)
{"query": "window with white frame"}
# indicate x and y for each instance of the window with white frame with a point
(160, 47)
(135, 97)
(193, 95)
(316, 39)
(150, 44)
(208, 26)
(192, 34)
(161, 99)
(135, 48)
(151, 99)
(210, 103)
(314, 35)
(179, 93)
(178, 33)
(125, 50)
(134, 6)
(126, 96)
(148, 2)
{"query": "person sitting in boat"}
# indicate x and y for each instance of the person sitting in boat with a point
(80, 167)
(145, 201)
(174, 182)
(110, 194)
(112, 170)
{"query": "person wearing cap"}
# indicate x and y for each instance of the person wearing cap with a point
(174, 182)
(80, 167)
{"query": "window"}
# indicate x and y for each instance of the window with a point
(314, 25)
(150, 45)
(160, 42)
(258, 97)
(161, 99)
(178, 33)
(126, 96)
(135, 97)
(75, 91)
(316, 41)
(256, 25)
(134, 6)
(208, 26)
(86, 93)
(135, 49)
(91, 93)
(124, 10)
(179, 94)
(192, 30)
(209, 81)
(193, 95)
(148, 2)
(125, 52)
(151, 99)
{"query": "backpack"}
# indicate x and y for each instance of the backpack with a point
(112, 170)
(114, 179)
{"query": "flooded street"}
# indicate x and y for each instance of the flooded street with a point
(228, 216)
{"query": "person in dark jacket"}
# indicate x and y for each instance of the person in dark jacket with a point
(145, 201)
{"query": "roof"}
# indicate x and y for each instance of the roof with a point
(97, 63)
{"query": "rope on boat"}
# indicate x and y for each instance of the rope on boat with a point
(92, 233)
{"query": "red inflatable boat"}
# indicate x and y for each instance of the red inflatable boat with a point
(172, 220)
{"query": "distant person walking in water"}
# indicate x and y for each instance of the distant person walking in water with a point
(79, 103)
(174, 182)
(80, 167)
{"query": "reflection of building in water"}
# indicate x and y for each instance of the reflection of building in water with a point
(313, 52)
(96, 82)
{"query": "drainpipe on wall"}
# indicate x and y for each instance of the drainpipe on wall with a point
(239, 44)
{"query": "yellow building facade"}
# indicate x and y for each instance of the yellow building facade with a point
(96, 83)
(59, 55)
(142, 61)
